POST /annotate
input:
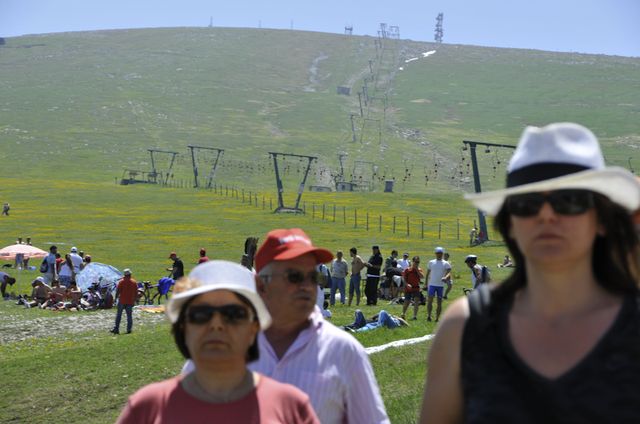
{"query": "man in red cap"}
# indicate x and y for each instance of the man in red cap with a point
(300, 347)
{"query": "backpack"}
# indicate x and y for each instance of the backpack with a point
(44, 266)
(485, 275)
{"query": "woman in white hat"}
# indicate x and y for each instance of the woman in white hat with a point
(559, 339)
(216, 316)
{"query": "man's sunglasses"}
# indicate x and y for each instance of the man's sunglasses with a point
(295, 276)
(563, 202)
(231, 314)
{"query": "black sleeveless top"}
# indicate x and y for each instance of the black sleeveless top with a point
(498, 387)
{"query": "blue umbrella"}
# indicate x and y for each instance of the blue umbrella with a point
(96, 273)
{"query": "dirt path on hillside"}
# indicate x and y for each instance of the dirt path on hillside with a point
(313, 72)
(22, 326)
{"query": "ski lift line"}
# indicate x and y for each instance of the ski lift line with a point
(476, 175)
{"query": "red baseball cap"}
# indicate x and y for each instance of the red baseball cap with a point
(285, 244)
(172, 254)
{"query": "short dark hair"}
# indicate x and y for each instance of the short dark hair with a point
(353, 250)
(615, 255)
(52, 248)
(178, 330)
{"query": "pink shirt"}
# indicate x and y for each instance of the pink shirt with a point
(167, 402)
(331, 367)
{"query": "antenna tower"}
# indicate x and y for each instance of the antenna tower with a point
(438, 33)
(348, 30)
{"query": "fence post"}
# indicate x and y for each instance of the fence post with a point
(344, 215)
(458, 228)
(334, 212)
(380, 223)
(256, 201)
(407, 226)
(439, 230)
(313, 211)
(367, 220)
(355, 218)
(394, 224)
(242, 195)
(323, 211)
(422, 228)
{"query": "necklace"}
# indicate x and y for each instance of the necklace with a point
(193, 387)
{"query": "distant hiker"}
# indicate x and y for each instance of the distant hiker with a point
(5, 209)
(478, 272)
(177, 269)
(126, 293)
(203, 256)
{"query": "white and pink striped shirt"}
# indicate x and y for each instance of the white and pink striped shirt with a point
(331, 367)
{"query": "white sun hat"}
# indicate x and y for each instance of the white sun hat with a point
(561, 156)
(219, 275)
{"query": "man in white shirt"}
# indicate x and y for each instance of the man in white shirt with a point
(76, 259)
(404, 263)
(339, 271)
(301, 348)
(438, 272)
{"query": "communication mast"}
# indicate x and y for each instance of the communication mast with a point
(348, 30)
(438, 33)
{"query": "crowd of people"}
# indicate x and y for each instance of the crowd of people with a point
(557, 341)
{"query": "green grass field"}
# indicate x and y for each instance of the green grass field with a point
(78, 108)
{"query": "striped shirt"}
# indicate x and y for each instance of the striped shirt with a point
(332, 368)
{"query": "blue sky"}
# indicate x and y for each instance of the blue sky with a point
(588, 26)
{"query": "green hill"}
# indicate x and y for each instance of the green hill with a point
(86, 105)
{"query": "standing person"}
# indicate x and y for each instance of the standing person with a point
(448, 281)
(476, 270)
(405, 262)
(393, 274)
(67, 273)
(126, 294)
(5, 209)
(216, 315)
(438, 271)
(373, 276)
(76, 259)
(49, 268)
(357, 265)
(557, 341)
(177, 269)
(339, 271)
(203, 256)
(303, 349)
(412, 277)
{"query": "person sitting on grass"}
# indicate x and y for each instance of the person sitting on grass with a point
(506, 262)
(56, 295)
(39, 293)
(383, 319)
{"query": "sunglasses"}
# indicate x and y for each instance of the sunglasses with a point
(231, 314)
(295, 276)
(563, 202)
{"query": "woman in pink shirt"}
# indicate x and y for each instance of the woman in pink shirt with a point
(216, 315)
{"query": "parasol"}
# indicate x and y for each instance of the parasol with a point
(9, 253)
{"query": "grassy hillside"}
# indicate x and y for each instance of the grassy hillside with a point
(86, 105)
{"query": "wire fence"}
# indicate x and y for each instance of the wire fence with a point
(357, 218)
